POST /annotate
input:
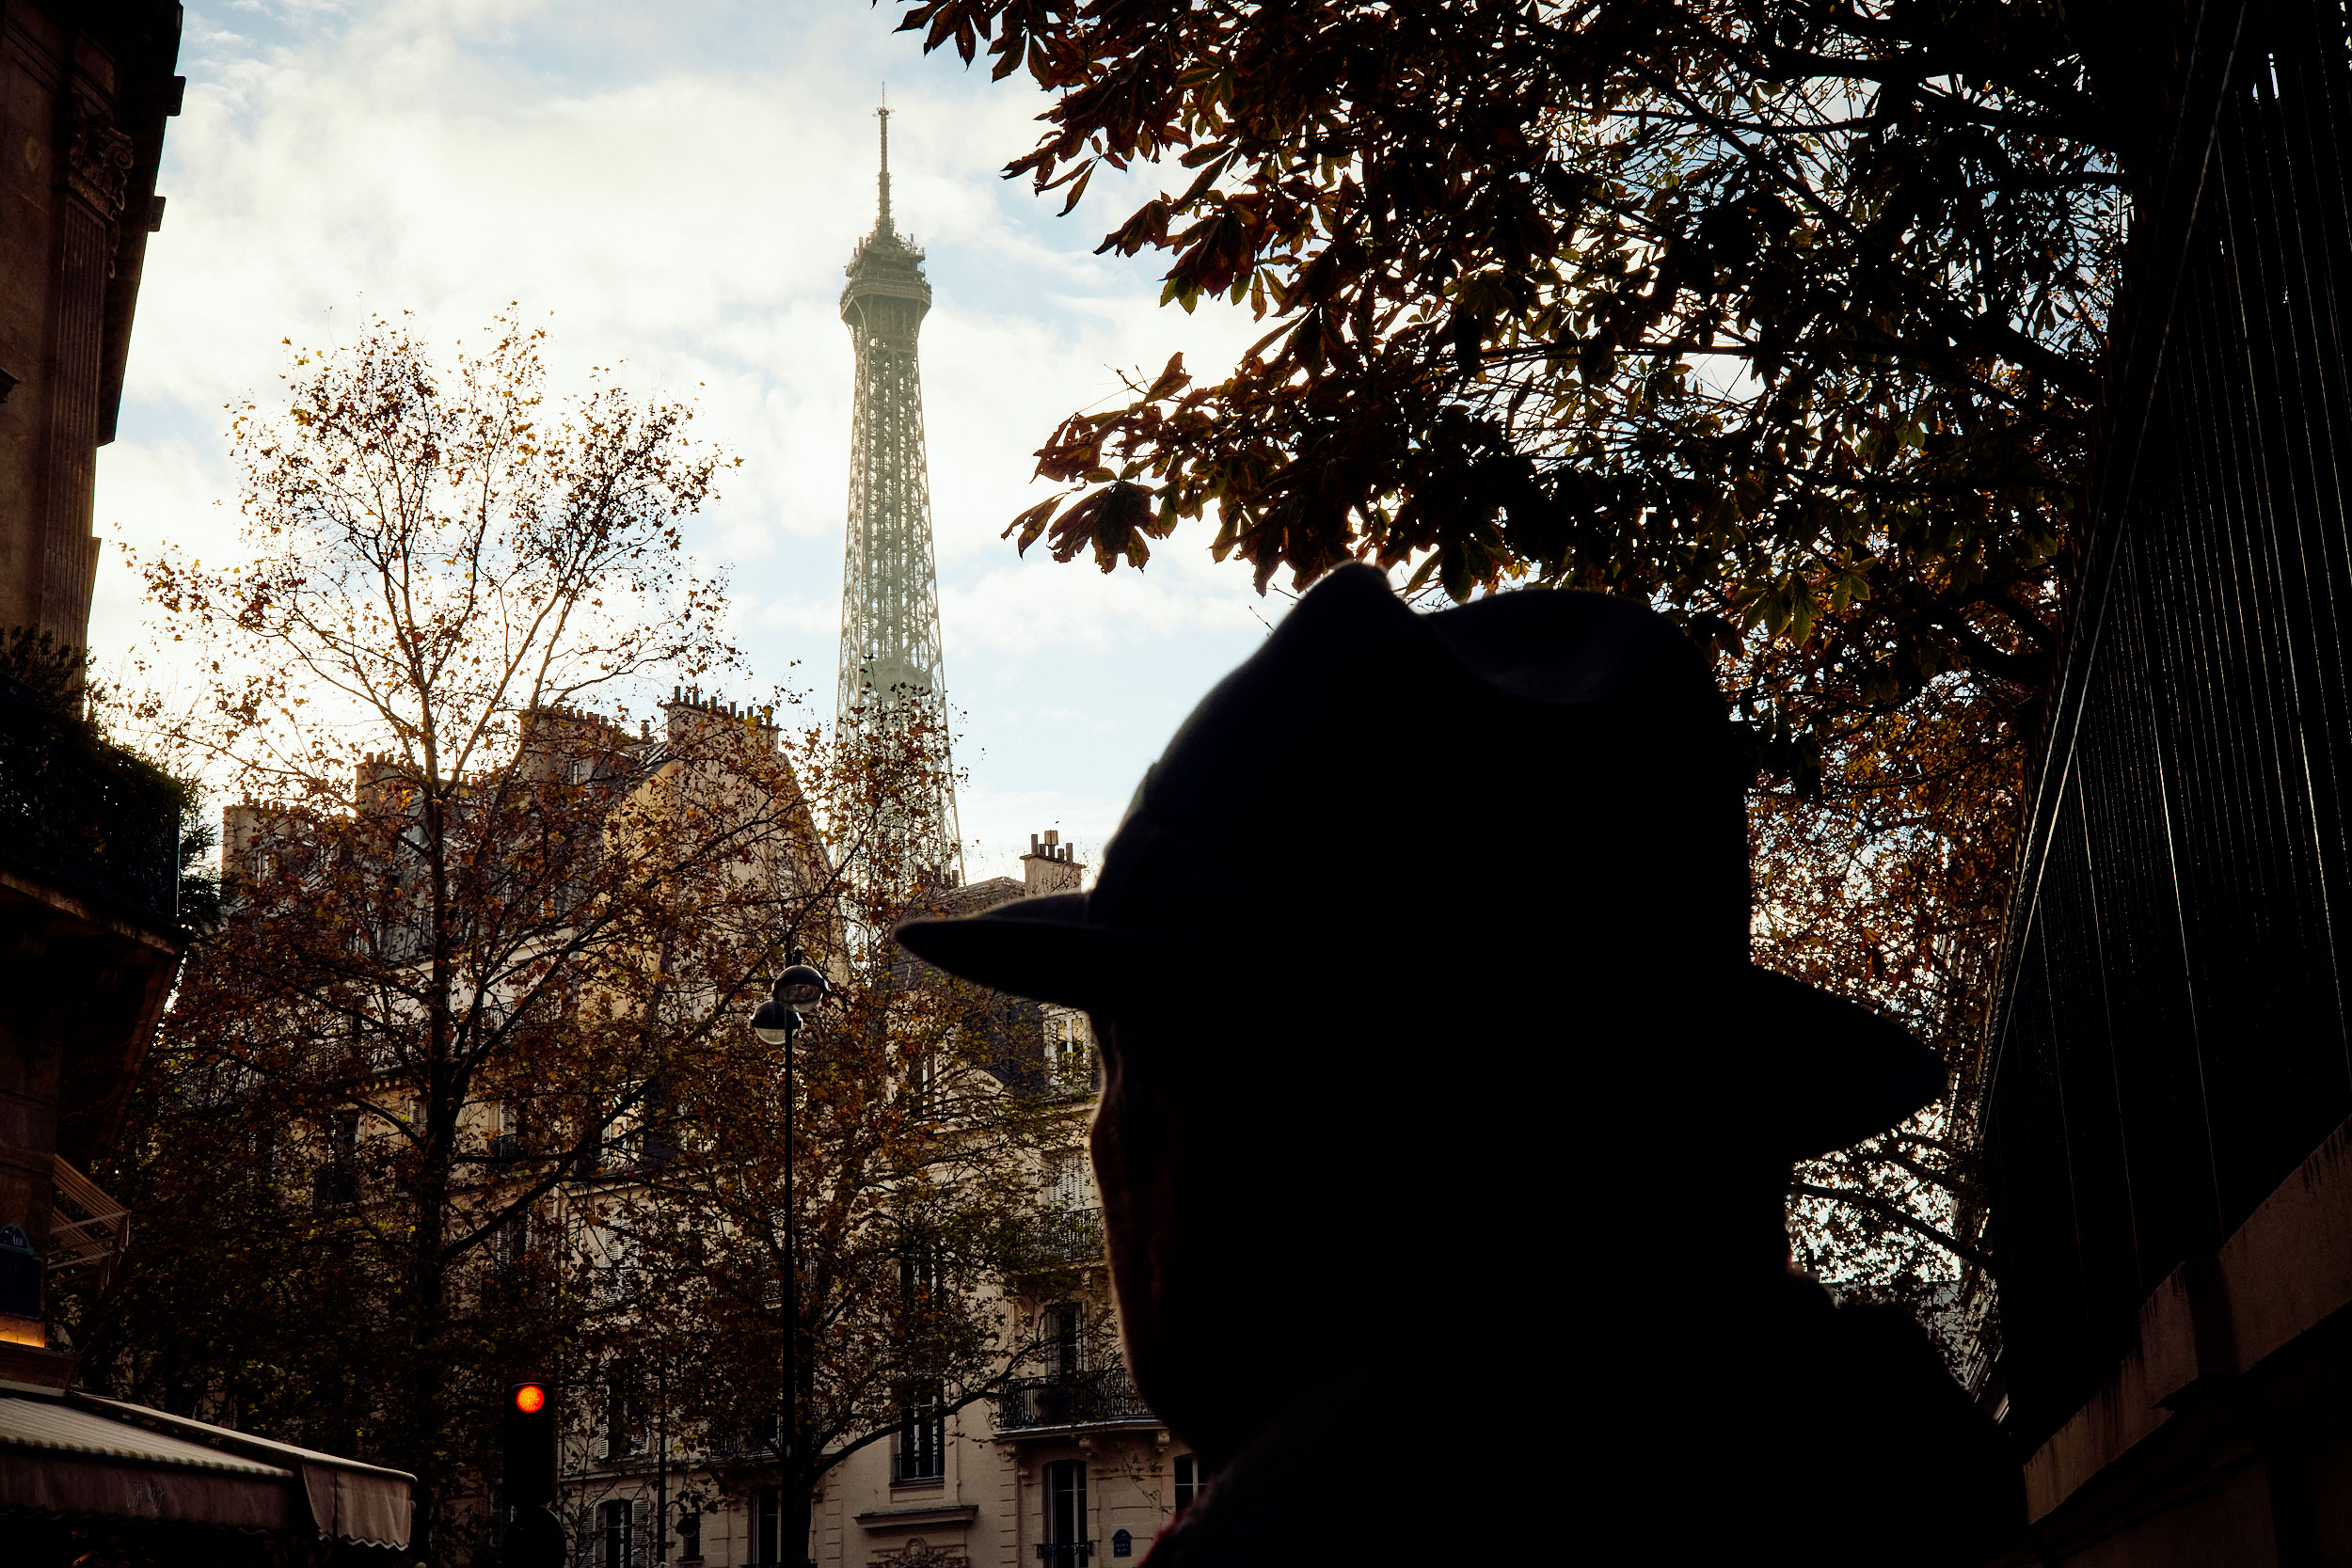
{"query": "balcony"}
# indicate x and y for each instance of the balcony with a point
(84, 816)
(1071, 1073)
(1100, 1397)
(1061, 1238)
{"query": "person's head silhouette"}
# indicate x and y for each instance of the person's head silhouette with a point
(1420, 963)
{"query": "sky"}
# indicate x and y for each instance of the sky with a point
(675, 188)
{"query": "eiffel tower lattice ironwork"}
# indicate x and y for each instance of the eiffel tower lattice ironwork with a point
(891, 671)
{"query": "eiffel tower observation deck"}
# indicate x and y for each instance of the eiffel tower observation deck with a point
(892, 677)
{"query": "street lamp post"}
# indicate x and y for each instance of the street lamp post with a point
(776, 1022)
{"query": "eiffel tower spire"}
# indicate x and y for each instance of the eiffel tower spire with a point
(882, 181)
(890, 658)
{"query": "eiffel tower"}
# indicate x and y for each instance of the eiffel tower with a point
(891, 669)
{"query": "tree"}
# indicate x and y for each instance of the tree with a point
(457, 1085)
(1789, 316)
(922, 1123)
(460, 899)
(916, 1122)
(1789, 319)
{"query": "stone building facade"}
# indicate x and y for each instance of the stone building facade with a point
(86, 87)
(1065, 1467)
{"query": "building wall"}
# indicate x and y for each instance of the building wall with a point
(988, 1507)
(988, 1510)
(2226, 1435)
(84, 89)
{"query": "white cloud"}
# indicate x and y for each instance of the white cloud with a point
(675, 191)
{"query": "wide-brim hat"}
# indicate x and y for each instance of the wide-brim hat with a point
(1539, 793)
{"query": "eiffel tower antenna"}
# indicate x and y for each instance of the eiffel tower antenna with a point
(891, 669)
(882, 115)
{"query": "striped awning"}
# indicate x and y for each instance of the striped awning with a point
(70, 1453)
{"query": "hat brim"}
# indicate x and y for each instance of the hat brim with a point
(1840, 1072)
(1046, 949)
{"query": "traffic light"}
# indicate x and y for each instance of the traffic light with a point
(534, 1537)
(530, 1444)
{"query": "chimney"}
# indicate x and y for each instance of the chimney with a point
(1051, 866)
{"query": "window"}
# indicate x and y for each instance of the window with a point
(591, 1143)
(624, 1424)
(923, 1080)
(337, 1180)
(512, 1244)
(767, 1524)
(922, 1456)
(506, 1142)
(1069, 1053)
(656, 1136)
(617, 1252)
(1068, 1193)
(1066, 1544)
(1059, 1329)
(689, 1534)
(1070, 1229)
(919, 1282)
(1192, 1479)
(618, 1522)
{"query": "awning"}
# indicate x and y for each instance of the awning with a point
(71, 1453)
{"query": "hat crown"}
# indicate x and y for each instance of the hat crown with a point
(1540, 752)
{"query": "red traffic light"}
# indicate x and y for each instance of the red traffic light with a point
(527, 1440)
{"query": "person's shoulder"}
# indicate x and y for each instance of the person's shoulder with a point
(1382, 1465)
(1898, 1434)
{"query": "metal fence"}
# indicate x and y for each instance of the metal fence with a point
(2171, 1036)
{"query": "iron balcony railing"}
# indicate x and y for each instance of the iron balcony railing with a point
(1072, 1074)
(1066, 1553)
(1062, 1236)
(89, 818)
(1101, 1396)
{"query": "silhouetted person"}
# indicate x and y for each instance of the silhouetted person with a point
(1446, 1129)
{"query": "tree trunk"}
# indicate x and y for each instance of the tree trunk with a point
(794, 1526)
(435, 1118)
